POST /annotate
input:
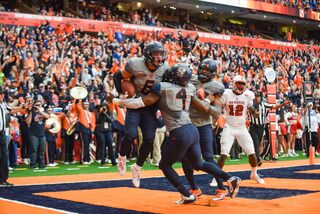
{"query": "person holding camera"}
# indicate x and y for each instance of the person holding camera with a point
(103, 133)
(36, 123)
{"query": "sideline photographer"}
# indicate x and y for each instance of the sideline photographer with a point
(103, 133)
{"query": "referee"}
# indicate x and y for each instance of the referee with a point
(261, 123)
(4, 110)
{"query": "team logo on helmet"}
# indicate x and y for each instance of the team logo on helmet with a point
(179, 74)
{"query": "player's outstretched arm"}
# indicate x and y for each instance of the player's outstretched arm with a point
(204, 106)
(135, 103)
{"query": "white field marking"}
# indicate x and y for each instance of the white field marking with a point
(39, 170)
(103, 167)
(160, 176)
(73, 169)
(37, 206)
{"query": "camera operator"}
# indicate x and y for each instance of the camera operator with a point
(103, 133)
(36, 122)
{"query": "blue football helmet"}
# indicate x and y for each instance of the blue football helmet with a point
(150, 49)
(206, 70)
(179, 74)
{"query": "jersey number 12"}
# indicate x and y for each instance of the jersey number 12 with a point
(235, 110)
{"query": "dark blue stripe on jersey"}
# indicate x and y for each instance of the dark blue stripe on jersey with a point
(156, 88)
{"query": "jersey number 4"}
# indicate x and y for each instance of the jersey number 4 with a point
(182, 94)
(236, 110)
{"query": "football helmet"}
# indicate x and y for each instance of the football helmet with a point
(179, 74)
(154, 54)
(239, 84)
(206, 70)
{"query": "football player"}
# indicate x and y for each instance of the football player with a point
(236, 103)
(144, 73)
(175, 97)
(205, 84)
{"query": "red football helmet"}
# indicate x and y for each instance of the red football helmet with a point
(239, 84)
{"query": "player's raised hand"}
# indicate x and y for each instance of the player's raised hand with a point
(200, 93)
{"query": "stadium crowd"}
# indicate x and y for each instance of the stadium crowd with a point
(306, 4)
(40, 65)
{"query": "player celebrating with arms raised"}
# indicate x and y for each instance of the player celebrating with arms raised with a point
(236, 102)
(144, 73)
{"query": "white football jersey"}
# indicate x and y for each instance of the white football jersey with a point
(236, 106)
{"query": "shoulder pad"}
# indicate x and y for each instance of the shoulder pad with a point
(214, 87)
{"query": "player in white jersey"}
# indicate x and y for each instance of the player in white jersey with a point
(236, 103)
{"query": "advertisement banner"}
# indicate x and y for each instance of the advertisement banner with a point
(23, 19)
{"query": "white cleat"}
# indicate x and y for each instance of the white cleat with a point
(257, 179)
(136, 175)
(122, 165)
(186, 200)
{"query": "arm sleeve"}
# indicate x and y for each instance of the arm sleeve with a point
(132, 103)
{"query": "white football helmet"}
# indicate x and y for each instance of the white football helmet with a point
(239, 89)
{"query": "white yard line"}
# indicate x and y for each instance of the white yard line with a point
(37, 206)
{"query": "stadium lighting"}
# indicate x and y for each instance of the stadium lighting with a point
(164, 6)
(197, 6)
(264, 16)
(294, 21)
(201, 11)
(232, 11)
(139, 4)
(158, 1)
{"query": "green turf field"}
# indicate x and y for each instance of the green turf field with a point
(72, 169)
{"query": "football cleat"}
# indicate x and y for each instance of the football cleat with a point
(220, 194)
(257, 179)
(233, 184)
(186, 200)
(135, 175)
(122, 165)
(196, 192)
(6, 184)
